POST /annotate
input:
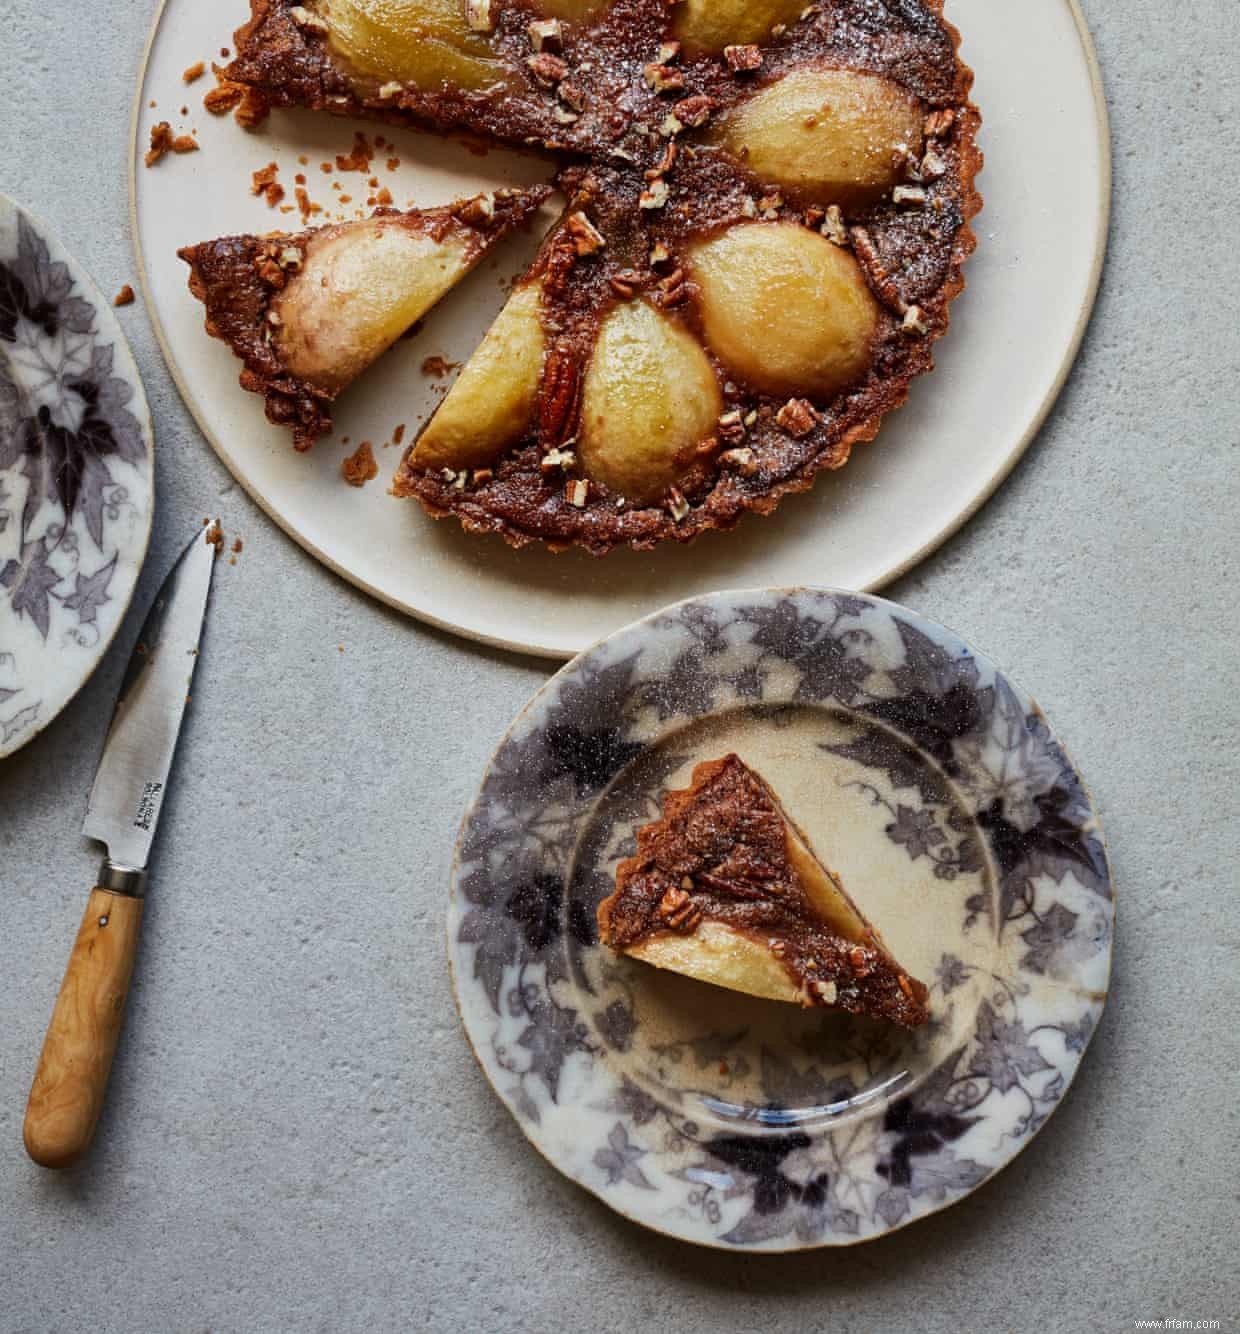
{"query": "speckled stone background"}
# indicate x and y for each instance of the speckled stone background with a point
(298, 1137)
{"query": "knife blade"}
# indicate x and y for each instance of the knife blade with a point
(123, 813)
(132, 779)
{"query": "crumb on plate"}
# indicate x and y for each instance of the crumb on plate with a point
(360, 467)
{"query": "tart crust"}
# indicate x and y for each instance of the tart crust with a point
(725, 889)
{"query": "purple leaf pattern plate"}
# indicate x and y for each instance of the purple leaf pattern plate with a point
(922, 774)
(75, 477)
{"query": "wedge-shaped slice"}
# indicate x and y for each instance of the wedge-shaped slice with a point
(308, 313)
(725, 889)
(450, 64)
(490, 406)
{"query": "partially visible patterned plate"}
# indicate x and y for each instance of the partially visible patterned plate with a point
(76, 476)
(929, 780)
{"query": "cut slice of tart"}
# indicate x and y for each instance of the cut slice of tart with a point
(309, 312)
(726, 889)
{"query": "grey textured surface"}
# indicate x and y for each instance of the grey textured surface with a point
(298, 1136)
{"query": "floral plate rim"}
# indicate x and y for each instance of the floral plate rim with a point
(117, 407)
(621, 1157)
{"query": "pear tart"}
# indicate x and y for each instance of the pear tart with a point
(725, 889)
(308, 312)
(770, 208)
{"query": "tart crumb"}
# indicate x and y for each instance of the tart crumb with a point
(215, 534)
(125, 297)
(360, 467)
(225, 96)
(360, 158)
(398, 434)
(264, 183)
(195, 72)
(438, 366)
(161, 143)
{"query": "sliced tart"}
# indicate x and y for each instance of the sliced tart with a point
(726, 889)
(309, 312)
(771, 211)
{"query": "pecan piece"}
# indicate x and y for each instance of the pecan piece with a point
(695, 110)
(880, 280)
(548, 69)
(937, 123)
(679, 911)
(797, 417)
(733, 889)
(859, 961)
(663, 79)
(587, 239)
(742, 58)
(560, 390)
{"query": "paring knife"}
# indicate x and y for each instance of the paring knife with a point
(125, 802)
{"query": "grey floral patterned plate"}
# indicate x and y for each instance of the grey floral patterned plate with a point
(76, 469)
(923, 775)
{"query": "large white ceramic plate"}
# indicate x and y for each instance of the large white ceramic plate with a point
(76, 476)
(1014, 335)
(928, 780)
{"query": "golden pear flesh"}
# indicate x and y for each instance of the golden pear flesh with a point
(834, 136)
(426, 43)
(710, 25)
(360, 287)
(784, 309)
(650, 397)
(490, 406)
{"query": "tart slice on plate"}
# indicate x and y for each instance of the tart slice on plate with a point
(726, 889)
(308, 312)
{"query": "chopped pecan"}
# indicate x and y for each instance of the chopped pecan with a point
(743, 461)
(833, 226)
(880, 280)
(859, 961)
(742, 58)
(797, 417)
(476, 212)
(225, 96)
(560, 390)
(937, 123)
(625, 284)
(695, 110)
(663, 79)
(253, 109)
(546, 35)
(547, 68)
(731, 427)
(587, 239)
(271, 273)
(733, 889)
(666, 162)
(655, 196)
(679, 911)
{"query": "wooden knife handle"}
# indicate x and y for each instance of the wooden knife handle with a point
(72, 1078)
